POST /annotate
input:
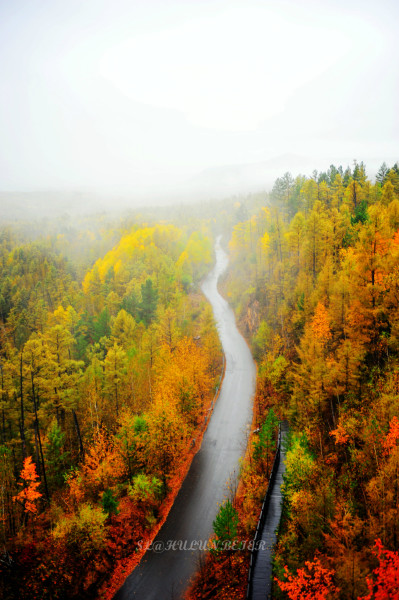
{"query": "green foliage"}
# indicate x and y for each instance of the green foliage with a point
(109, 503)
(262, 338)
(57, 459)
(361, 214)
(382, 173)
(130, 304)
(8, 485)
(300, 465)
(225, 526)
(149, 300)
(267, 436)
(140, 424)
(277, 372)
(83, 532)
(101, 326)
(145, 489)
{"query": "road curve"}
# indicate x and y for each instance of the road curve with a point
(164, 575)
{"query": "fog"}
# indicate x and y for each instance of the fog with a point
(125, 102)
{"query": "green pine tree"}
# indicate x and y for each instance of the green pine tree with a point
(149, 301)
(225, 526)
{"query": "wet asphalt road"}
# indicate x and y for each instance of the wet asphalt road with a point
(164, 575)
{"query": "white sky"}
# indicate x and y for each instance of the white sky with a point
(101, 94)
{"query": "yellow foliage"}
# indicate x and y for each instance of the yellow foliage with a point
(85, 531)
(135, 243)
(320, 324)
(103, 466)
(183, 378)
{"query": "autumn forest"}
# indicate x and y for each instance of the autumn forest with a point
(110, 361)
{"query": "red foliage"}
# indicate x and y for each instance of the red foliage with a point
(312, 583)
(386, 583)
(393, 435)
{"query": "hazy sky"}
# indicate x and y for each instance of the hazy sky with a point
(102, 94)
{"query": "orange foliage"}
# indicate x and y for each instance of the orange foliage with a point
(321, 324)
(76, 488)
(103, 464)
(381, 244)
(315, 583)
(29, 494)
(393, 435)
(102, 468)
(341, 437)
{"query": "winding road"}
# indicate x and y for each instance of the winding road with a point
(164, 574)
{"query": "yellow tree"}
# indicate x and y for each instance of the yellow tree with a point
(295, 237)
(168, 330)
(103, 466)
(309, 194)
(63, 375)
(354, 195)
(338, 191)
(314, 246)
(130, 440)
(166, 438)
(34, 359)
(115, 364)
(383, 490)
(123, 330)
(371, 264)
(388, 193)
(183, 378)
(312, 373)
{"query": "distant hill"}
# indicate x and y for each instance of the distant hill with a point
(211, 183)
(51, 204)
(252, 176)
(231, 179)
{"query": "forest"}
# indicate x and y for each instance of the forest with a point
(107, 370)
(314, 282)
(109, 360)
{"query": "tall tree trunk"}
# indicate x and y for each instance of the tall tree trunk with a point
(39, 438)
(3, 431)
(22, 420)
(38, 461)
(3, 427)
(76, 422)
